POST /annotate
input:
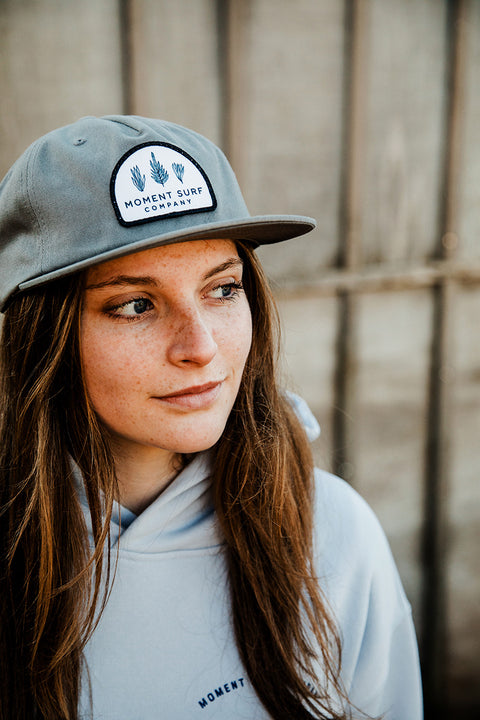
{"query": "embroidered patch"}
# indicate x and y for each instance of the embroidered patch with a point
(156, 180)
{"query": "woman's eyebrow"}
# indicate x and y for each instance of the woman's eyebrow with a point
(124, 280)
(147, 280)
(230, 263)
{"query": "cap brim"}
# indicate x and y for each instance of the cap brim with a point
(259, 230)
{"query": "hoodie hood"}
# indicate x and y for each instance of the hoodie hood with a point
(182, 516)
(305, 415)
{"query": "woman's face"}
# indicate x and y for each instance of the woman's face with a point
(164, 339)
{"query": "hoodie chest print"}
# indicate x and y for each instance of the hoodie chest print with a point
(220, 692)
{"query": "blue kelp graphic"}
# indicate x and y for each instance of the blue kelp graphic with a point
(137, 178)
(178, 170)
(159, 174)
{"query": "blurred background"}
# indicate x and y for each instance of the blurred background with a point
(366, 115)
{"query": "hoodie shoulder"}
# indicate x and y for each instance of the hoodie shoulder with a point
(362, 587)
(348, 534)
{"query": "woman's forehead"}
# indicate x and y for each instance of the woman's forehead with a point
(180, 255)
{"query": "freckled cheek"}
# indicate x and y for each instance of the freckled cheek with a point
(111, 368)
(234, 339)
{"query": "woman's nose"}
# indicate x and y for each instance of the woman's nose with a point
(192, 341)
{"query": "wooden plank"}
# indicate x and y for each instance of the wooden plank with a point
(353, 167)
(381, 278)
(404, 129)
(291, 122)
(59, 60)
(469, 181)
(393, 362)
(345, 388)
(174, 70)
(454, 136)
(437, 471)
(234, 22)
(436, 500)
(126, 49)
(309, 336)
(463, 558)
(345, 381)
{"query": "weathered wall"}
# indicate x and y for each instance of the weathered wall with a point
(364, 114)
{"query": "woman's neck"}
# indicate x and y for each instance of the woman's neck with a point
(143, 473)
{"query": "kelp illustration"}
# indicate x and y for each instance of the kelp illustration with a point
(178, 169)
(158, 173)
(137, 178)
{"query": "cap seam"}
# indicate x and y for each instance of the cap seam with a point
(30, 195)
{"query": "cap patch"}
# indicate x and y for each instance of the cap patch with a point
(156, 180)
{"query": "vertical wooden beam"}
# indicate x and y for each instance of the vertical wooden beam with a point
(435, 507)
(355, 23)
(126, 19)
(437, 471)
(354, 93)
(457, 58)
(343, 459)
(233, 19)
(222, 14)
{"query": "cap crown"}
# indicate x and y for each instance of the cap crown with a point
(104, 187)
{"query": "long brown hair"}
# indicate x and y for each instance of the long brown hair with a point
(51, 584)
(263, 484)
(47, 601)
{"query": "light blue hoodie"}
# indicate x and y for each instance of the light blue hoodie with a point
(164, 646)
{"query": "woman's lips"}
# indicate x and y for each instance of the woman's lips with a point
(193, 398)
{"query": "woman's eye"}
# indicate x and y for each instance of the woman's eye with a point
(227, 291)
(132, 308)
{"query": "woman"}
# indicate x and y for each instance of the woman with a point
(167, 549)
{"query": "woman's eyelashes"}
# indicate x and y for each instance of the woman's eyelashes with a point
(226, 291)
(130, 309)
(134, 308)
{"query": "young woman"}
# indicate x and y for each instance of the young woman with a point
(167, 550)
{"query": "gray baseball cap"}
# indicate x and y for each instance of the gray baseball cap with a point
(104, 187)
